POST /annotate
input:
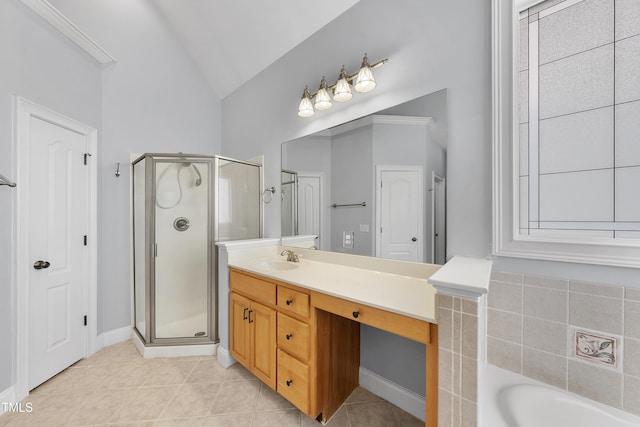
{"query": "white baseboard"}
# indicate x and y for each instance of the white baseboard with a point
(7, 396)
(224, 357)
(404, 399)
(108, 338)
(151, 352)
(116, 336)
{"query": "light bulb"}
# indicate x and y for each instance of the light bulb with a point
(342, 91)
(305, 109)
(364, 80)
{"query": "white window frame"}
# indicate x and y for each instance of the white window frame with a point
(506, 239)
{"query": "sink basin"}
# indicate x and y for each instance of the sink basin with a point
(278, 265)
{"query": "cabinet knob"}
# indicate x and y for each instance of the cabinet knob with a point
(289, 336)
(356, 314)
(289, 382)
(289, 301)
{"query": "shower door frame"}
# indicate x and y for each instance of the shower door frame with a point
(212, 236)
(150, 246)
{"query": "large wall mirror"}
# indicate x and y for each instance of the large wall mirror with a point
(375, 186)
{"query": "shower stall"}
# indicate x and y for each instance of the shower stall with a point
(182, 205)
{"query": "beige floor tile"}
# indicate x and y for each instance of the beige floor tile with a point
(339, 419)
(362, 395)
(235, 420)
(210, 371)
(284, 418)
(236, 396)
(170, 372)
(270, 400)
(374, 414)
(145, 403)
(192, 400)
(405, 419)
(117, 387)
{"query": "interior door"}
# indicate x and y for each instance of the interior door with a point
(309, 206)
(58, 193)
(439, 220)
(400, 218)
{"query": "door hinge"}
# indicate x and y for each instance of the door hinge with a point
(85, 320)
(85, 240)
(86, 155)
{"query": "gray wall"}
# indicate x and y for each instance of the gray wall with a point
(351, 174)
(44, 68)
(313, 154)
(152, 99)
(431, 46)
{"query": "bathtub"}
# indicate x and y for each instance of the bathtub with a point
(511, 400)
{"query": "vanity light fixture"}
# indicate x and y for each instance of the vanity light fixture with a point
(363, 81)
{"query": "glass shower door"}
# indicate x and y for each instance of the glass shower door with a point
(182, 248)
(238, 200)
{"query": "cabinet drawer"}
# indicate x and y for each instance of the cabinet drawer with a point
(293, 301)
(414, 329)
(252, 287)
(293, 337)
(293, 381)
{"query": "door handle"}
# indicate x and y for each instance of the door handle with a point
(414, 239)
(39, 265)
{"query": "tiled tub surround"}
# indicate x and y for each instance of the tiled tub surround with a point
(462, 286)
(531, 327)
(458, 360)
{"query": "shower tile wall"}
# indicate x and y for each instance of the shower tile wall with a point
(458, 361)
(531, 325)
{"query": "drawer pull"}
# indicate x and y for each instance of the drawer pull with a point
(250, 311)
(289, 301)
(289, 336)
(356, 314)
(289, 382)
(244, 317)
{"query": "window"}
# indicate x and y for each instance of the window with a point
(566, 130)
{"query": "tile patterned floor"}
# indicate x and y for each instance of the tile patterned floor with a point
(117, 387)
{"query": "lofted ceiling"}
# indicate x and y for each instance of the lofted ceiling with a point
(231, 41)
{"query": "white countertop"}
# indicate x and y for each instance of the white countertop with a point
(387, 290)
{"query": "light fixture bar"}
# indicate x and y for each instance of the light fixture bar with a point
(306, 108)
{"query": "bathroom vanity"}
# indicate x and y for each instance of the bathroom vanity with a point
(296, 325)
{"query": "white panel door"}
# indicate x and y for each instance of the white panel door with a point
(309, 206)
(400, 213)
(58, 279)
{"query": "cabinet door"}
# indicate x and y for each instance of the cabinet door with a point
(240, 340)
(263, 338)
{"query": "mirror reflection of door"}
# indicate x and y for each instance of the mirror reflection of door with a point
(289, 197)
(400, 230)
(310, 205)
(438, 219)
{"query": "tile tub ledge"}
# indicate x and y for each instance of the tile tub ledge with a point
(463, 277)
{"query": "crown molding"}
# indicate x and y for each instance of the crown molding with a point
(381, 119)
(57, 20)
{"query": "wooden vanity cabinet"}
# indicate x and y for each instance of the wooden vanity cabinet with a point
(253, 332)
(309, 356)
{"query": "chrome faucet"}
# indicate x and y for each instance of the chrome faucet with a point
(291, 256)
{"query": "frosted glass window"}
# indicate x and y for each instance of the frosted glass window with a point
(578, 155)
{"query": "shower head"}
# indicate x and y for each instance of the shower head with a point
(199, 178)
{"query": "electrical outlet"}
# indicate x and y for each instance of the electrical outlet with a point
(347, 239)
